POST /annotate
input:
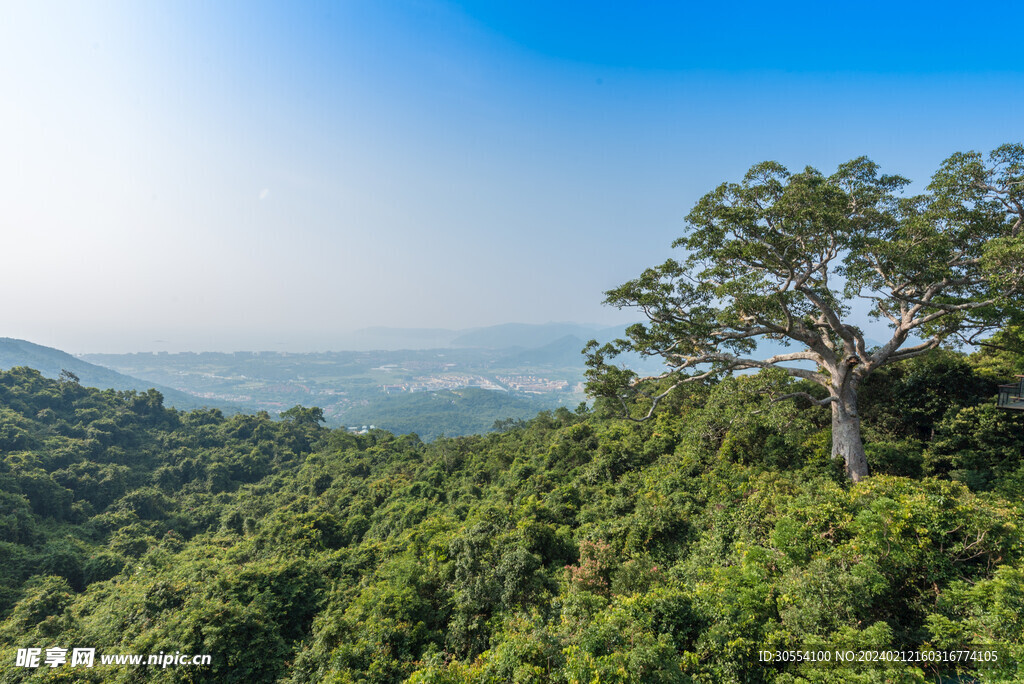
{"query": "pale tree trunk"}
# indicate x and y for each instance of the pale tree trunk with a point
(846, 441)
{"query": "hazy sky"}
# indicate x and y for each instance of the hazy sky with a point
(247, 175)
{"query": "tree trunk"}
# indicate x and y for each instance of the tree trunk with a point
(846, 441)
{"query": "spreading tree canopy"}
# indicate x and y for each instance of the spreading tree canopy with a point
(784, 256)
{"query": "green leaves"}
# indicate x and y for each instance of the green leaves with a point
(568, 548)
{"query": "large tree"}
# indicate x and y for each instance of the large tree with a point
(785, 257)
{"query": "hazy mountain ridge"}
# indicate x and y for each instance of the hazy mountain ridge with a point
(502, 336)
(531, 336)
(537, 366)
(50, 362)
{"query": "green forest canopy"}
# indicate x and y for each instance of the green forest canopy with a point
(572, 547)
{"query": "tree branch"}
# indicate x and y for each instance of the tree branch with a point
(911, 352)
(810, 397)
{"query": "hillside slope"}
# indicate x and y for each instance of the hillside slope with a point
(50, 362)
(572, 547)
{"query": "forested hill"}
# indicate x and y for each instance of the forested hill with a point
(574, 547)
(50, 362)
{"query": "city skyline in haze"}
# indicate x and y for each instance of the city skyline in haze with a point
(228, 176)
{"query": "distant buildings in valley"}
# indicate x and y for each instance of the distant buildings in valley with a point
(503, 383)
(448, 381)
(532, 383)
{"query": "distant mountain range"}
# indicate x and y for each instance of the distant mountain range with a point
(546, 344)
(534, 336)
(526, 335)
(50, 362)
(518, 345)
(394, 339)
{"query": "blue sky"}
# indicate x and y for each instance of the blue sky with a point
(246, 175)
